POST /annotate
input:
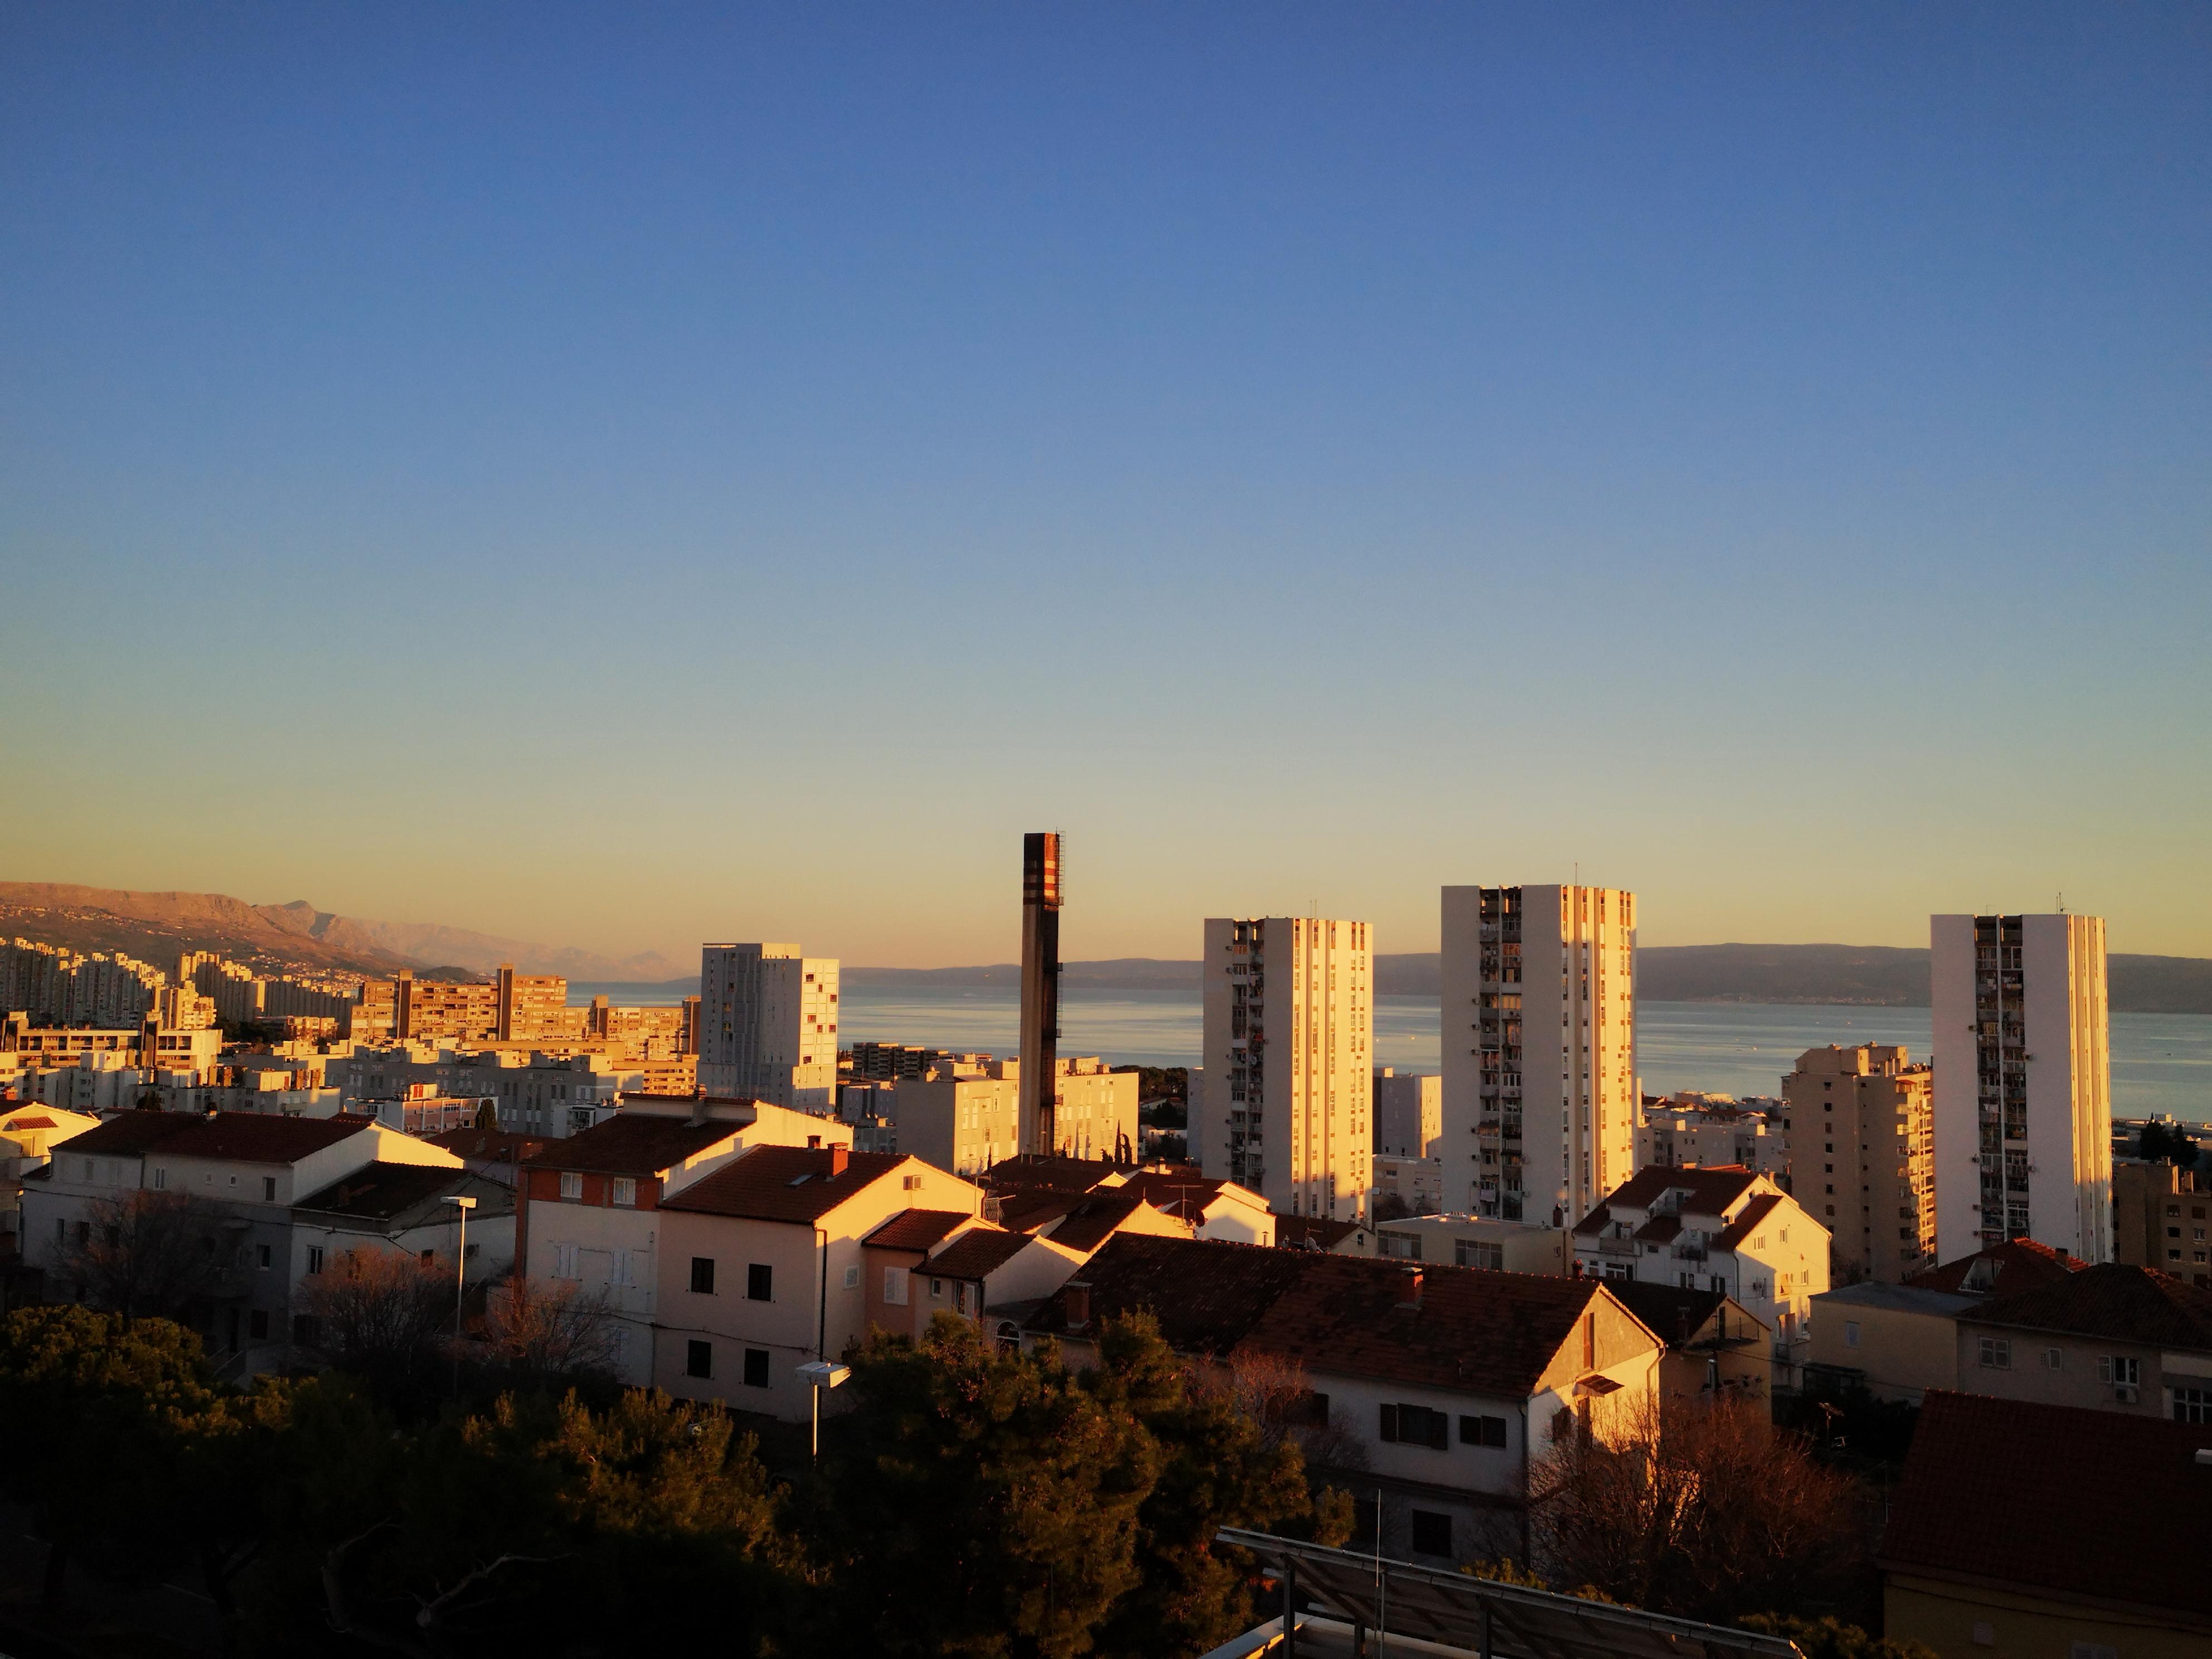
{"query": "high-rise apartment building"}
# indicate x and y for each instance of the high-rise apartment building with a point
(768, 1025)
(1409, 1113)
(1290, 1008)
(1526, 1138)
(2023, 1082)
(1862, 1158)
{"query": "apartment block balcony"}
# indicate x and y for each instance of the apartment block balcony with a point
(1689, 1253)
(1617, 1247)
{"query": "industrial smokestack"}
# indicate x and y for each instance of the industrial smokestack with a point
(1037, 1090)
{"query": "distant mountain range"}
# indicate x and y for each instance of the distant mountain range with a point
(157, 926)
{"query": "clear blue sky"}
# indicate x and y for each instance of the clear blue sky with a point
(622, 476)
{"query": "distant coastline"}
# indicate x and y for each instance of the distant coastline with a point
(1833, 975)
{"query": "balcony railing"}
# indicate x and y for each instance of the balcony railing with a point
(1617, 1247)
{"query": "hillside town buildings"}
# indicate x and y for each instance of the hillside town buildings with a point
(1524, 967)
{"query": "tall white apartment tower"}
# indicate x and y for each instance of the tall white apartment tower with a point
(1289, 1009)
(2023, 1103)
(1526, 1138)
(768, 1025)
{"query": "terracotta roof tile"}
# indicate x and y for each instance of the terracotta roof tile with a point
(916, 1229)
(1026, 1212)
(784, 1183)
(976, 1253)
(2110, 1300)
(1299, 1232)
(1066, 1174)
(2016, 1266)
(633, 1144)
(1669, 1312)
(237, 1136)
(493, 1146)
(1492, 1333)
(1186, 1196)
(1095, 1219)
(1747, 1221)
(382, 1192)
(1712, 1189)
(2102, 1506)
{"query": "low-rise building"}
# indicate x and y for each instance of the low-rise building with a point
(1897, 1341)
(2160, 1220)
(1408, 1186)
(591, 1222)
(1472, 1241)
(1714, 1350)
(1725, 1229)
(29, 1136)
(2020, 1528)
(1691, 1131)
(1215, 1209)
(761, 1265)
(1446, 1385)
(2108, 1338)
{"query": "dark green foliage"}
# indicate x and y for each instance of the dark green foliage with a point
(2175, 1146)
(984, 1503)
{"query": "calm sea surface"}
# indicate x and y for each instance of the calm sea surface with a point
(2161, 1062)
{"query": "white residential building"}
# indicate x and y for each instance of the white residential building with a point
(1409, 1114)
(2023, 1082)
(1527, 1139)
(1712, 1229)
(1693, 1131)
(768, 1025)
(1288, 1046)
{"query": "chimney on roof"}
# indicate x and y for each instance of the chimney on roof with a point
(1410, 1290)
(838, 1157)
(1075, 1302)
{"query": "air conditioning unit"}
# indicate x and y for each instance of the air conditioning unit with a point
(2126, 1393)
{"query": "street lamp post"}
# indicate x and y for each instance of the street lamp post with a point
(460, 1281)
(821, 1374)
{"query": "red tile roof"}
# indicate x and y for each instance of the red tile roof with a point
(1312, 1232)
(1095, 1219)
(916, 1229)
(975, 1253)
(1066, 1174)
(235, 1137)
(1747, 1221)
(389, 1192)
(1711, 1190)
(2110, 1300)
(2100, 1506)
(1483, 1332)
(1026, 1212)
(784, 1183)
(491, 1146)
(36, 1121)
(2016, 1266)
(1671, 1313)
(633, 1144)
(1186, 1196)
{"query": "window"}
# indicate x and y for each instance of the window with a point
(2053, 1360)
(269, 1190)
(564, 1262)
(161, 1181)
(1850, 1333)
(2118, 1368)
(256, 1324)
(1996, 1353)
(314, 1258)
(698, 1359)
(937, 1290)
(625, 1190)
(1431, 1533)
(702, 1275)
(760, 1282)
(852, 1278)
(1416, 1426)
(2192, 1405)
(757, 1368)
(895, 1281)
(619, 1272)
(263, 1256)
(1482, 1432)
(572, 1184)
(428, 1256)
